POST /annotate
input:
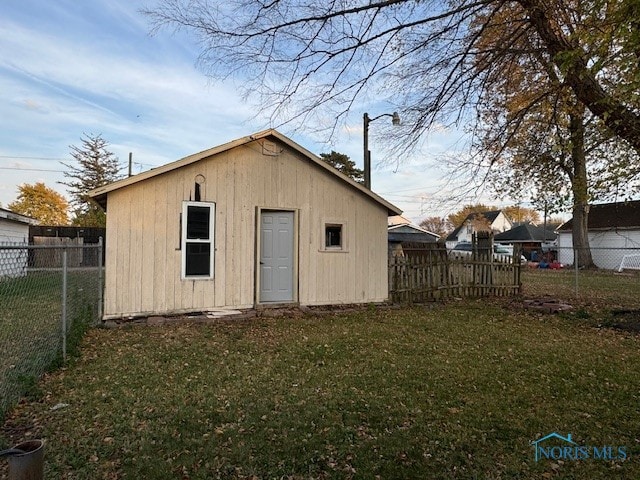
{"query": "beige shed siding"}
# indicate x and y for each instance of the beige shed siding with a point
(143, 269)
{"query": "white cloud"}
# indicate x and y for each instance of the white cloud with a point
(58, 87)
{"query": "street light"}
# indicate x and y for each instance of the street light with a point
(395, 120)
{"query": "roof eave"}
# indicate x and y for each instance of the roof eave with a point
(17, 217)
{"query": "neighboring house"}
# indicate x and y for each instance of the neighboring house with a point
(614, 231)
(495, 220)
(254, 222)
(14, 230)
(394, 220)
(408, 235)
(531, 238)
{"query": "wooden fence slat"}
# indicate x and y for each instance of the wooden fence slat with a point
(429, 274)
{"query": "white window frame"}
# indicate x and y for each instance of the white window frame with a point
(211, 240)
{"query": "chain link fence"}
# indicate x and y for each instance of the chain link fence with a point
(609, 277)
(49, 296)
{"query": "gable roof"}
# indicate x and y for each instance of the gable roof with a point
(415, 237)
(526, 232)
(100, 194)
(490, 216)
(408, 232)
(610, 216)
(17, 217)
(410, 228)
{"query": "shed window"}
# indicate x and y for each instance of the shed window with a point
(333, 236)
(198, 221)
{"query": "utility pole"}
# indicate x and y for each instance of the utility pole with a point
(367, 153)
(395, 120)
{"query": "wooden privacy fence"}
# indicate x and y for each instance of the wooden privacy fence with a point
(52, 257)
(430, 273)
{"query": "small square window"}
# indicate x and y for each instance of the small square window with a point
(333, 236)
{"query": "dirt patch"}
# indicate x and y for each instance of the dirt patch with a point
(547, 305)
(627, 320)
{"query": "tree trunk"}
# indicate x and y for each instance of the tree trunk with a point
(580, 191)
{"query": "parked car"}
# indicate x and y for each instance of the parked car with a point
(461, 250)
(500, 252)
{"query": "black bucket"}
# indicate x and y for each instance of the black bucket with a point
(28, 465)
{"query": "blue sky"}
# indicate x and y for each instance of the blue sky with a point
(68, 67)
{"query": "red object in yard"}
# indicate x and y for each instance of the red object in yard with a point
(555, 265)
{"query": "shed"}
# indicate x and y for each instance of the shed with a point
(14, 230)
(255, 222)
(614, 231)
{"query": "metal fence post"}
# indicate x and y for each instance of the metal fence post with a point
(64, 304)
(100, 279)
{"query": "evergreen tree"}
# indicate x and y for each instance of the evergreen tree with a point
(343, 164)
(96, 167)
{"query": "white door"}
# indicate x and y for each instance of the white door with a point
(276, 256)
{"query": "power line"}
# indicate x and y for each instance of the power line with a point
(406, 190)
(31, 169)
(33, 158)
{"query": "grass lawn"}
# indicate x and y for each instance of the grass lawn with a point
(447, 391)
(599, 289)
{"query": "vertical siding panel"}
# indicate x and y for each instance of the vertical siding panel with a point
(111, 256)
(373, 259)
(135, 248)
(124, 243)
(383, 255)
(219, 174)
(161, 253)
(245, 198)
(325, 204)
(210, 194)
(187, 287)
(354, 245)
(232, 285)
(380, 253)
(303, 190)
(147, 246)
(311, 245)
(172, 222)
(368, 259)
